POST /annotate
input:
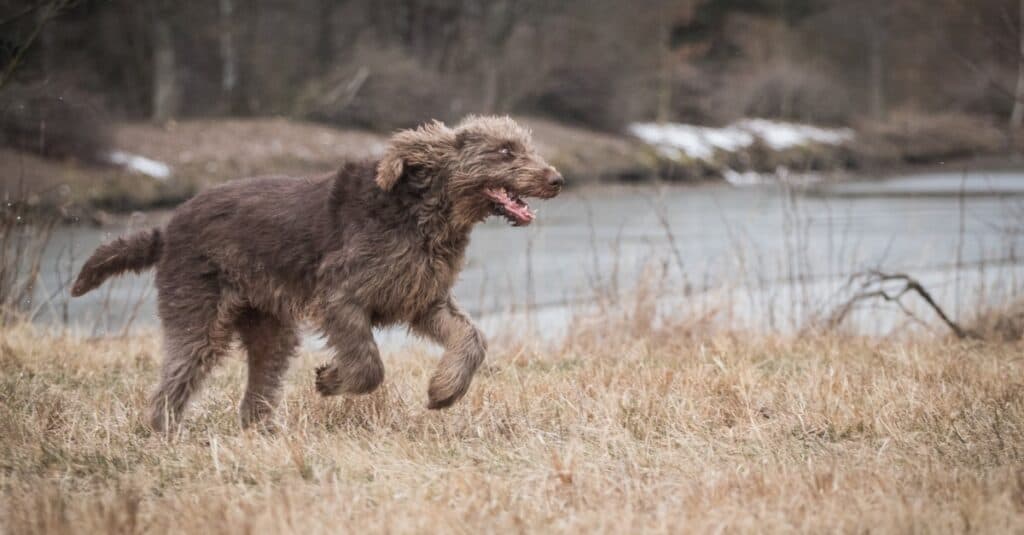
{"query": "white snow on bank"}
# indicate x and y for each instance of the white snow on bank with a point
(747, 178)
(701, 142)
(780, 175)
(140, 164)
(779, 135)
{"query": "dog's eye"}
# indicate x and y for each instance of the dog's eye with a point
(505, 151)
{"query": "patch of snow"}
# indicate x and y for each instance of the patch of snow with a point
(673, 139)
(779, 135)
(747, 178)
(140, 164)
(781, 175)
(701, 142)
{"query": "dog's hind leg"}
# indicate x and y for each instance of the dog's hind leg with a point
(198, 328)
(356, 367)
(270, 343)
(189, 359)
(465, 348)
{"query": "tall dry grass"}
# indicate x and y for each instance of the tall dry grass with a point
(658, 430)
(23, 244)
(641, 420)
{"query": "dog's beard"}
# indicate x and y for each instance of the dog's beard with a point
(510, 206)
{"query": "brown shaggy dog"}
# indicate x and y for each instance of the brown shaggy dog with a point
(375, 244)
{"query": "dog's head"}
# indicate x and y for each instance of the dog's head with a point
(484, 166)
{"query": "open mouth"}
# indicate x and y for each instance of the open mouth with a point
(511, 206)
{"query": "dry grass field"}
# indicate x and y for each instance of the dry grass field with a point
(664, 432)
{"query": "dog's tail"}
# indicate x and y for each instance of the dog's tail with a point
(133, 253)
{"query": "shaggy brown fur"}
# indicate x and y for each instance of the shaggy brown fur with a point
(374, 244)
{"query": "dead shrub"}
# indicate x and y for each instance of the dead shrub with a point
(582, 95)
(693, 96)
(379, 90)
(918, 137)
(24, 238)
(1003, 323)
(54, 122)
(783, 90)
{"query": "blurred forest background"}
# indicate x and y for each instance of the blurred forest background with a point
(383, 64)
(919, 80)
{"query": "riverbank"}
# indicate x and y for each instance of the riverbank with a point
(617, 429)
(151, 166)
(160, 166)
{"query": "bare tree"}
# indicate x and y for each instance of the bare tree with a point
(165, 76)
(228, 52)
(875, 19)
(666, 68)
(1017, 116)
(165, 93)
(499, 20)
(325, 32)
(876, 68)
(45, 12)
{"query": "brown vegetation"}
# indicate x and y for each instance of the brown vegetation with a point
(916, 137)
(1004, 323)
(54, 122)
(661, 432)
(223, 149)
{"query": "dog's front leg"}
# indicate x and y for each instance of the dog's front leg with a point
(356, 367)
(465, 348)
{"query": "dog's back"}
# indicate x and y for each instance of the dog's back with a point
(255, 233)
(264, 236)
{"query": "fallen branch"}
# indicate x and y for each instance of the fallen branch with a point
(872, 287)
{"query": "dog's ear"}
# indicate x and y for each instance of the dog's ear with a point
(389, 170)
(427, 146)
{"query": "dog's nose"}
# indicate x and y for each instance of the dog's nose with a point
(555, 179)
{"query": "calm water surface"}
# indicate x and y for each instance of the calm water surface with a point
(759, 247)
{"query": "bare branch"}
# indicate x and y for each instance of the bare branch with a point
(872, 288)
(51, 12)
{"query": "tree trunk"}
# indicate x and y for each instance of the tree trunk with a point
(491, 75)
(228, 54)
(47, 43)
(325, 34)
(664, 112)
(165, 82)
(1017, 116)
(876, 70)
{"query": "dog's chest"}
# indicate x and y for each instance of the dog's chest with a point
(401, 287)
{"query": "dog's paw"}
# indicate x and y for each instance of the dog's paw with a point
(442, 395)
(331, 381)
(327, 383)
(257, 415)
(437, 404)
(259, 424)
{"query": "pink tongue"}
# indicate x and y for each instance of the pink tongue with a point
(522, 213)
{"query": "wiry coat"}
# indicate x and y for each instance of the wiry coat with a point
(376, 243)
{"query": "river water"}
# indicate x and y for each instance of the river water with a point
(769, 255)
